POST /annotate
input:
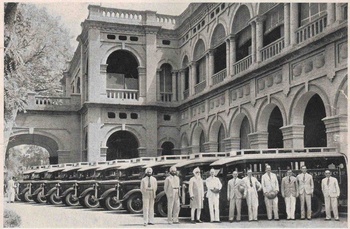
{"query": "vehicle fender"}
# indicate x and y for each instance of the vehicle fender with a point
(128, 194)
(37, 191)
(86, 191)
(160, 195)
(106, 193)
(24, 191)
(68, 191)
(54, 189)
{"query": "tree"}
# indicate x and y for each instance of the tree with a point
(36, 51)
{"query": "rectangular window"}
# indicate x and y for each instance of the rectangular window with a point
(134, 116)
(111, 115)
(310, 11)
(123, 115)
(110, 37)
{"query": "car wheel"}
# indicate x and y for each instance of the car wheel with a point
(90, 201)
(27, 197)
(112, 203)
(39, 198)
(134, 203)
(162, 207)
(54, 199)
(71, 200)
(316, 206)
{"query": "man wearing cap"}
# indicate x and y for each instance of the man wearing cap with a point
(234, 196)
(252, 186)
(306, 190)
(331, 192)
(148, 190)
(214, 186)
(172, 191)
(196, 191)
(270, 187)
(289, 191)
(11, 190)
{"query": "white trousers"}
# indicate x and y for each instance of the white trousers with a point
(174, 207)
(271, 204)
(253, 203)
(235, 203)
(11, 194)
(214, 208)
(148, 208)
(331, 202)
(305, 198)
(290, 206)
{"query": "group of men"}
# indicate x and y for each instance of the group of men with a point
(247, 188)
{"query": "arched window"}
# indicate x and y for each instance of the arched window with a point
(221, 137)
(165, 81)
(167, 148)
(201, 142)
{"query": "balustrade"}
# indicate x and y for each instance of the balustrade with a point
(186, 94)
(200, 87)
(312, 29)
(219, 76)
(123, 94)
(242, 64)
(166, 96)
(272, 49)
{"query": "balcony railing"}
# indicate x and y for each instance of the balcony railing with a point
(242, 65)
(272, 49)
(53, 102)
(200, 87)
(166, 96)
(219, 76)
(312, 29)
(123, 94)
(186, 93)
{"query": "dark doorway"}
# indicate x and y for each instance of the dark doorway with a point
(221, 137)
(315, 130)
(167, 148)
(275, 139)
(244, 131)
(201, 142)
(122, 145)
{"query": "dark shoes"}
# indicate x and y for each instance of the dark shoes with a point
(193, 222)
(199, 221)
(150, 223)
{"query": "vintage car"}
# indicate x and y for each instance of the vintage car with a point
(24, 186)
(317, 161)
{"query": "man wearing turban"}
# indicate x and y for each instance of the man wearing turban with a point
(196, 191)
(148, 190)
(172, 191)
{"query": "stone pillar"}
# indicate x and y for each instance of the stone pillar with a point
(211, 67)
(151, 50)
(259, 21)
(185, 150)
(339, 12)
(253, 27)
(330, 13)
(182, 79)
(337, 132)
(142, 82)
(258, 140)
(173, 84)
(294, 22)
(233, 143)
(293, 136)
(232, 55)
(158, 84)
(194, 149)
(64, 156)
(228, 66)
(177, 151)
(286, 24)
(143, 152)
(193, 78)
(97, 85)
(211, 147)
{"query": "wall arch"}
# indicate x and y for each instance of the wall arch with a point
(167, 61)
(234, 14)
(184, 141)
(140, 139)
(130, 49)
(196, 131)
(341, 100)
(236, 121)
(168, 139)
(214, 128)
(199, 49)
(218, 35)
(264, 113)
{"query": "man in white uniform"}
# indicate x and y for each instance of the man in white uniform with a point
(214, 186)
(306, 190)
(234, 196)
(253, 186)
(11, 190)
(270, 187)
(148, 189)
(331, 192)
(172, 191)
(290, 191)
(196, 191)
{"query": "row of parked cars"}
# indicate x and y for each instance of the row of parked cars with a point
(115, 184)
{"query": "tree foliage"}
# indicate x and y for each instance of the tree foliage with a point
(36, 51)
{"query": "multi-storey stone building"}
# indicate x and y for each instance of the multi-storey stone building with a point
(218, 77)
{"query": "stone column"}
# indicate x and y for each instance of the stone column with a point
(337, 132)
(253, 27)
(211, 67)
(158, 84)
(64, 156)
(184, 150)
(293, 136)
(258, 140)
(211, 147)
(182, 79)
(339, 12)
(286, 24)
(142, 82)
(232, 55)
(330, 13)
(193, 78)
(294, 22)
(228, 66)
(233, 143)
(173, 84)
(194, 149)
(259, 21)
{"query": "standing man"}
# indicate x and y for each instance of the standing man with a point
(290, 191)
(331, 192)
(214, 186)
(11, 190)
(172, 191)
(270, 188)
(234, 196)
(196, 191)
(252, 187)
(306, 190)
(148, 190)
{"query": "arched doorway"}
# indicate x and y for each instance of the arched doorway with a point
(243, 134)
(167, 148)
(275, 138)
(201, 142)
(221, 137)
(315, 130)
(122, 145)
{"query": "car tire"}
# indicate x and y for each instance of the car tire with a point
(134, 203)
(70, 200)
(111, 204)
(54, 199)
(162, 207)
(90, 202)
(39, 198)
(26, 197)
(316, 206)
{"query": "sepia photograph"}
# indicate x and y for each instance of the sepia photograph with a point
(175, 114)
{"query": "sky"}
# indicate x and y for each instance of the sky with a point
(73, 13)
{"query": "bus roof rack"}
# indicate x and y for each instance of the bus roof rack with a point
(172, 157)
(283, 151)
(142, 159)
(214, 154)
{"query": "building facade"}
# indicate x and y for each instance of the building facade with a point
(218, 77)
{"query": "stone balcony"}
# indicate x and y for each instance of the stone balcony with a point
(53, 103)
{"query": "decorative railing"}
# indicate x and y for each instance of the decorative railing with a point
(219, 76)
(242, 65)
(286, 150)
(200, 87)
(312, 29)
(272, 49)
(166, 96)
(186, 94)
(123, 94)
(53, 102)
